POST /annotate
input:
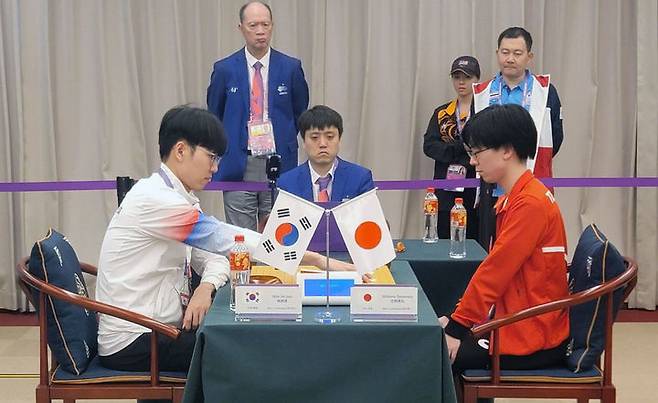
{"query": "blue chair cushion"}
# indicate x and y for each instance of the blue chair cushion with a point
(96, 373)
(72, 329)
(595, 261)
(544, 375)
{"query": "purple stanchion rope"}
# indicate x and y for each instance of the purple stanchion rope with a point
(63, 186)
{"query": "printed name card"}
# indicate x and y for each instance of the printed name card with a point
(268, 302)
(384, 303)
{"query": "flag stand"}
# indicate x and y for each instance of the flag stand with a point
(327, 316)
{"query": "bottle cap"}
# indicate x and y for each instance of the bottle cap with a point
(459, 200)
(239, 238)
(430, 190)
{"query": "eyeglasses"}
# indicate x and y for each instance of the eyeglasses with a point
(474, 154)
(214, 158)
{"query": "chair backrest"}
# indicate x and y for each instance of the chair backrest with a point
(124, 183)
(96, 382)
(595, 261)
(72, 330)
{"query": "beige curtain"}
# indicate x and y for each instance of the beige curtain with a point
(85, 83)
(646, 206)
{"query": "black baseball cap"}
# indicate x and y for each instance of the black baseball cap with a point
(467, 65)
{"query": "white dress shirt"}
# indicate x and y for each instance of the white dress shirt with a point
(315, 176)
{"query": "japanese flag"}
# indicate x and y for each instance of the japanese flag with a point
(365, 232)
(288, 232)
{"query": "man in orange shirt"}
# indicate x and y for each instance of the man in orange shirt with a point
(526, 265)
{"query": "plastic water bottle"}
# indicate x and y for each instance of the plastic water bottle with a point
(240, 263)
(458, 230)
(431, 211)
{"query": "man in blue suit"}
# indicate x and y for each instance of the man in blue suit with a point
(325, 177)
(256, 90)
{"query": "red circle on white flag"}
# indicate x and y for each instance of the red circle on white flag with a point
(367, 297)
(368, 235)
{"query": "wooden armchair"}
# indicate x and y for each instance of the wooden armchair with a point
(557, 382)
(97, 382)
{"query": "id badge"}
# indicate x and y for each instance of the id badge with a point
(261, 138)
(456, 171)
(184, 299)
(187, 284)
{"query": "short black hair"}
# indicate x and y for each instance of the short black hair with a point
(196, 126)
(515, 32)
(502, 125)
(245, 5)
(320, 117)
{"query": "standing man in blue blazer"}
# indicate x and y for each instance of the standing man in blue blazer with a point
(325, 177)
(258, 94)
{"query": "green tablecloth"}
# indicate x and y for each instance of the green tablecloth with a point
(443, 279)
(308, 362)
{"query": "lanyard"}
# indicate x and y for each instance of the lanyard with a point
(187, 269)
(165, 178)
(459, 118)
(525, 100)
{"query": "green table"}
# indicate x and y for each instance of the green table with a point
(308, 362)
(443, 279)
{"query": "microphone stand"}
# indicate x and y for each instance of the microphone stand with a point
(272, 169)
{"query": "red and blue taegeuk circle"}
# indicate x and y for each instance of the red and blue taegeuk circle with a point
(286, 234)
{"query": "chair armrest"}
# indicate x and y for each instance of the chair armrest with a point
(627, 277)
(42, 286)
(89, 269)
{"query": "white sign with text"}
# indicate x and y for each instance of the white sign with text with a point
(384, 303)
(268, 302)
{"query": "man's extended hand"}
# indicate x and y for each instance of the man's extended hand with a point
(453, 347)
(315, 259)
(198, 306)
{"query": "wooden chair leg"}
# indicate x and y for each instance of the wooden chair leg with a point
(609, 395)
(42, 394)
(470, 393)
(178, 394)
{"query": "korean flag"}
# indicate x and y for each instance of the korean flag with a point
(288, 232)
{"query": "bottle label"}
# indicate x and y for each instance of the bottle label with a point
(239, 261)
(431, 206)
(458, 217)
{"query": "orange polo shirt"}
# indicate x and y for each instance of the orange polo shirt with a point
(526, 267)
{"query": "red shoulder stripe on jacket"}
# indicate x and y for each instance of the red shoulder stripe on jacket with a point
(479, 87)
(543, 80)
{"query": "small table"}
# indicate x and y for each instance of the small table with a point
(443, 279)
(309, 362)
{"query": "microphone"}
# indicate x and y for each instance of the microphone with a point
(273, 168)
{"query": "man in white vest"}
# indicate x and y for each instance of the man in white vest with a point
(515, 84)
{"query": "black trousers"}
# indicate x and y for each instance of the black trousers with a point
(173, 355)
(474, 354)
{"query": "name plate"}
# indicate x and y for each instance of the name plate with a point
(384, 303)
(268, 302)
